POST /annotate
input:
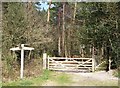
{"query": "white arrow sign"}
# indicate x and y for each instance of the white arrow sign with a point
(22, 48)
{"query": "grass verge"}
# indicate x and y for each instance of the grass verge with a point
(31, 81)
(64, 79)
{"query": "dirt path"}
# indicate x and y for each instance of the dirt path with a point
(101, 78)
(93, 79)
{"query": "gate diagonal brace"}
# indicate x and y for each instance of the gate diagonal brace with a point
(59, 63)
(79, 63)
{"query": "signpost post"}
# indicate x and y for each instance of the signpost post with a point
(22, 48)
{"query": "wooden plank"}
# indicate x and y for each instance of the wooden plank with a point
(57, 67)
(67, 58)
(64, 64)
(68, 61)
(53, 67)
(87, 61)
(84, 65)
(88, 68)
(57, 58)
(80, 58)
(69, 69)
(70, 65)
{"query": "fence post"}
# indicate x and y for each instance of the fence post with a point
(44, 60)
(93, 59)
(110, 64)
(48, 62)
(93, 64)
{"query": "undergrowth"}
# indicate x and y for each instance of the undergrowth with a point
(116, 73)
(30, 81)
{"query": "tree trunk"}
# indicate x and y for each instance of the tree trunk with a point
(70, 32)
(59, 46)
(69, 43)
(48, 14)
(102, 52)
(66, 53)
(1, 39)
(75, 8)
(107, 56)
(93, 55)
(63, 31)
(59, 32)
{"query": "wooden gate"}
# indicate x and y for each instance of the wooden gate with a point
(70, 64)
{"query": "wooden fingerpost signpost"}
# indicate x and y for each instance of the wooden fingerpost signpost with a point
(22, 48)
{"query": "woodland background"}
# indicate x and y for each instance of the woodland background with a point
(67, 29)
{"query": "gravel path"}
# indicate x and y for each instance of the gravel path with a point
(100, 78)
(94, 79)
(102, 75)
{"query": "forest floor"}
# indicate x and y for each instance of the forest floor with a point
(54, 78)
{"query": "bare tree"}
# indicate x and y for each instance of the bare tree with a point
(48, 12)
(59, 32)
(63, 31)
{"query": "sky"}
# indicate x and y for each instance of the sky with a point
(44, 5)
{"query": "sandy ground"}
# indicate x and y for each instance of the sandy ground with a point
(100, 78)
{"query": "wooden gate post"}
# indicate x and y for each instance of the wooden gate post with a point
(93, 64)
(93, 59)
(48, 62)
(110, 64)
(44, 60)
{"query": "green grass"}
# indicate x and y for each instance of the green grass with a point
(64, 79)
(32, 81)
(24, 82)
(0, 84)
(119, 74)
(60, 79)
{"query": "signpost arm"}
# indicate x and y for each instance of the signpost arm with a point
(22, 48)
